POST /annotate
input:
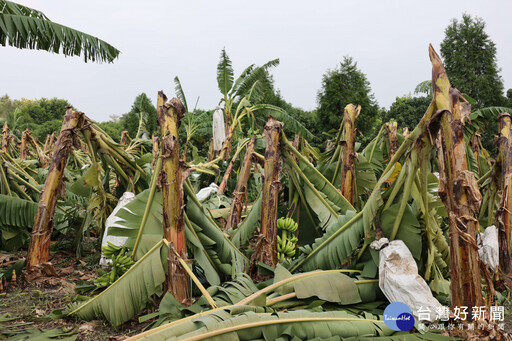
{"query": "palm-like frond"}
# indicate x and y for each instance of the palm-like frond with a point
(481, 118)
(225, 73)
(26, 28)
(290, 123)
(245, 82)
(180, 93)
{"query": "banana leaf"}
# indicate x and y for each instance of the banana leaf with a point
(409, 230)
(16, 217)
(300, 324)
(200, 240)
(127, 296)
(334, 248)
(318, 180)
(223, 248)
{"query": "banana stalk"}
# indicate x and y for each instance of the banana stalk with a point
(504, 214)
(225, 178)
(266, 247)
(348, 153)
(5, 137)
(240, 192)
(171, 178)
(125, 138)
(39, 247)
(458, 190)
(391, 129)
(24, 144)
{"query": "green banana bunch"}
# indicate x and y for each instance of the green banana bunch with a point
(121, 262)
(286, 243)
(110, 250)
(287, 224)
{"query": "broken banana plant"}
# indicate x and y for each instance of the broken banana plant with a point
(5, 137)
(240, 192)
(39, 247)
(457, 188)
(171, 181)
(504, 213)
(266, 247)
(348, 152)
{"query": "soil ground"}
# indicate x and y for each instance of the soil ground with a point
(31, 304)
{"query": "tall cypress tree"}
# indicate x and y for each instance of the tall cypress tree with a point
(344, 85)
(470, 60)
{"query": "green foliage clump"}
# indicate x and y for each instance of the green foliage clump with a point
(344, 85)
(112, 128)
(407, 111)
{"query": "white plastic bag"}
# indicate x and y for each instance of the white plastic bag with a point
(400, 282)
(111, 220)
(205, 192)
(488, 247)
(219, 129)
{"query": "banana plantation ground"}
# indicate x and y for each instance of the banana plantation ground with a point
(257, 234)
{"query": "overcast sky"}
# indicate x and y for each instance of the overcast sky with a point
(162, 39)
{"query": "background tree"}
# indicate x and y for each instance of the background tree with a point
(27, 28)
(41, 131)
(131, 119)
(509, 96)
(273, 96)
(341, 86)
(112, 128)
(7, 106)
(43, 116)
(470, 61)
(407, 111)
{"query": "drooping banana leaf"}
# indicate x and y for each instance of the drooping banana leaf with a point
(290, 123)
(333, 249)
(16, 217)
(325, 210)
(329, 286)
(211, 249)
(241, 235)
(225, 250)
(127, 296)
(320, 202)
(130, 219)
(408, 231)
(318, 180)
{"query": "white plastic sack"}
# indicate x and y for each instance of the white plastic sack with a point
(219, 129)
(488, 247)
(205, 192)
(111, 220)
(399, 279)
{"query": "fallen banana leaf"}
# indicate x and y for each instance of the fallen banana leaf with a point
(127, 296)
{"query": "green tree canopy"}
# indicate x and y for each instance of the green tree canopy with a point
(112, 128)
(470, 61)
(141, 105)
(344, 85)
(407, 111)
